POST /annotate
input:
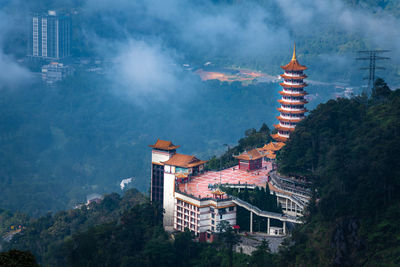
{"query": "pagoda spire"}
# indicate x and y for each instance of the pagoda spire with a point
(292, 108)
(294, 52)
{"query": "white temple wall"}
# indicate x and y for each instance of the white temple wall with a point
(159, 156)
(169, 200)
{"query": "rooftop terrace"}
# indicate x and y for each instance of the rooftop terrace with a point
(198, 185)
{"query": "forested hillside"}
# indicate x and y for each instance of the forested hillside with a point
(121, 231)
(350, 149)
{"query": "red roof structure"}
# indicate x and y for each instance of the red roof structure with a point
(279, 138)
(164, 145)
(184, 161)
(294, 65)
(250, 155)
(274, 146)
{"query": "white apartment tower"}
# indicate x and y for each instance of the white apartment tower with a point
(49, 36)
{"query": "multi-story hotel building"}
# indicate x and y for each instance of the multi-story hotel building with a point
(190, 196)
(49, 36)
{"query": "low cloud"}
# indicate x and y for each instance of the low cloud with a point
(158, 36)
(378, 30)
(147, 73)
(12, 74)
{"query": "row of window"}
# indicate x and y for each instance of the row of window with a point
(292, 115)
(293, 90)
(288, 123)
(187, 205)
(293, 72)
(223, 210)
(182, 228)
(295, 81)
(293, 106)
(186, 217)
(299, 98)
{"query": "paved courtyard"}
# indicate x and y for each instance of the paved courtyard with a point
(198, 185)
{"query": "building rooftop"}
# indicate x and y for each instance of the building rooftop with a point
(274, 146)
(164, 145)
(279, 138)
(294, 65)
(198, 185)
(184, 161)
(250, 155)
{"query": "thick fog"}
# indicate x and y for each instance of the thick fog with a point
(12, 74)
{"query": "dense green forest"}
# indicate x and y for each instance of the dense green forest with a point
(349, 149)
(121, 231)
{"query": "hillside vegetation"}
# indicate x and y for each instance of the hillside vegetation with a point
(350, 149)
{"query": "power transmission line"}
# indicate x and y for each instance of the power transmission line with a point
(372, 56)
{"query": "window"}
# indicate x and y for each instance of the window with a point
(213, 215)
(212, 222)
(231, 208)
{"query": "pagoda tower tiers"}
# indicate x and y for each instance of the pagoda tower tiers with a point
(292, 108)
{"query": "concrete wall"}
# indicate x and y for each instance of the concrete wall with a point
(159, 156)
(169, 199)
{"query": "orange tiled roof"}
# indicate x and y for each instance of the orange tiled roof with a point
(293, 85)
(250, 155)
(267, 152)
(279, 138)
(273, 146)
(218, 192)
(294, 65)
(292, 111)
(164, 145)
(294, 77)
(282, 128)
(185, 161)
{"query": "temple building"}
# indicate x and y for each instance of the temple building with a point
(161, 151)
(193, 199)
(250, 160)
(292, 108)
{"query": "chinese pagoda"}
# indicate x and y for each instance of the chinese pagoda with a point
(292, 102)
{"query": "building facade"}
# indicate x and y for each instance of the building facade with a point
(292, 108)
(250, 160)
(202, 215)
(55, 72)
(161, 151)
(50, 36)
